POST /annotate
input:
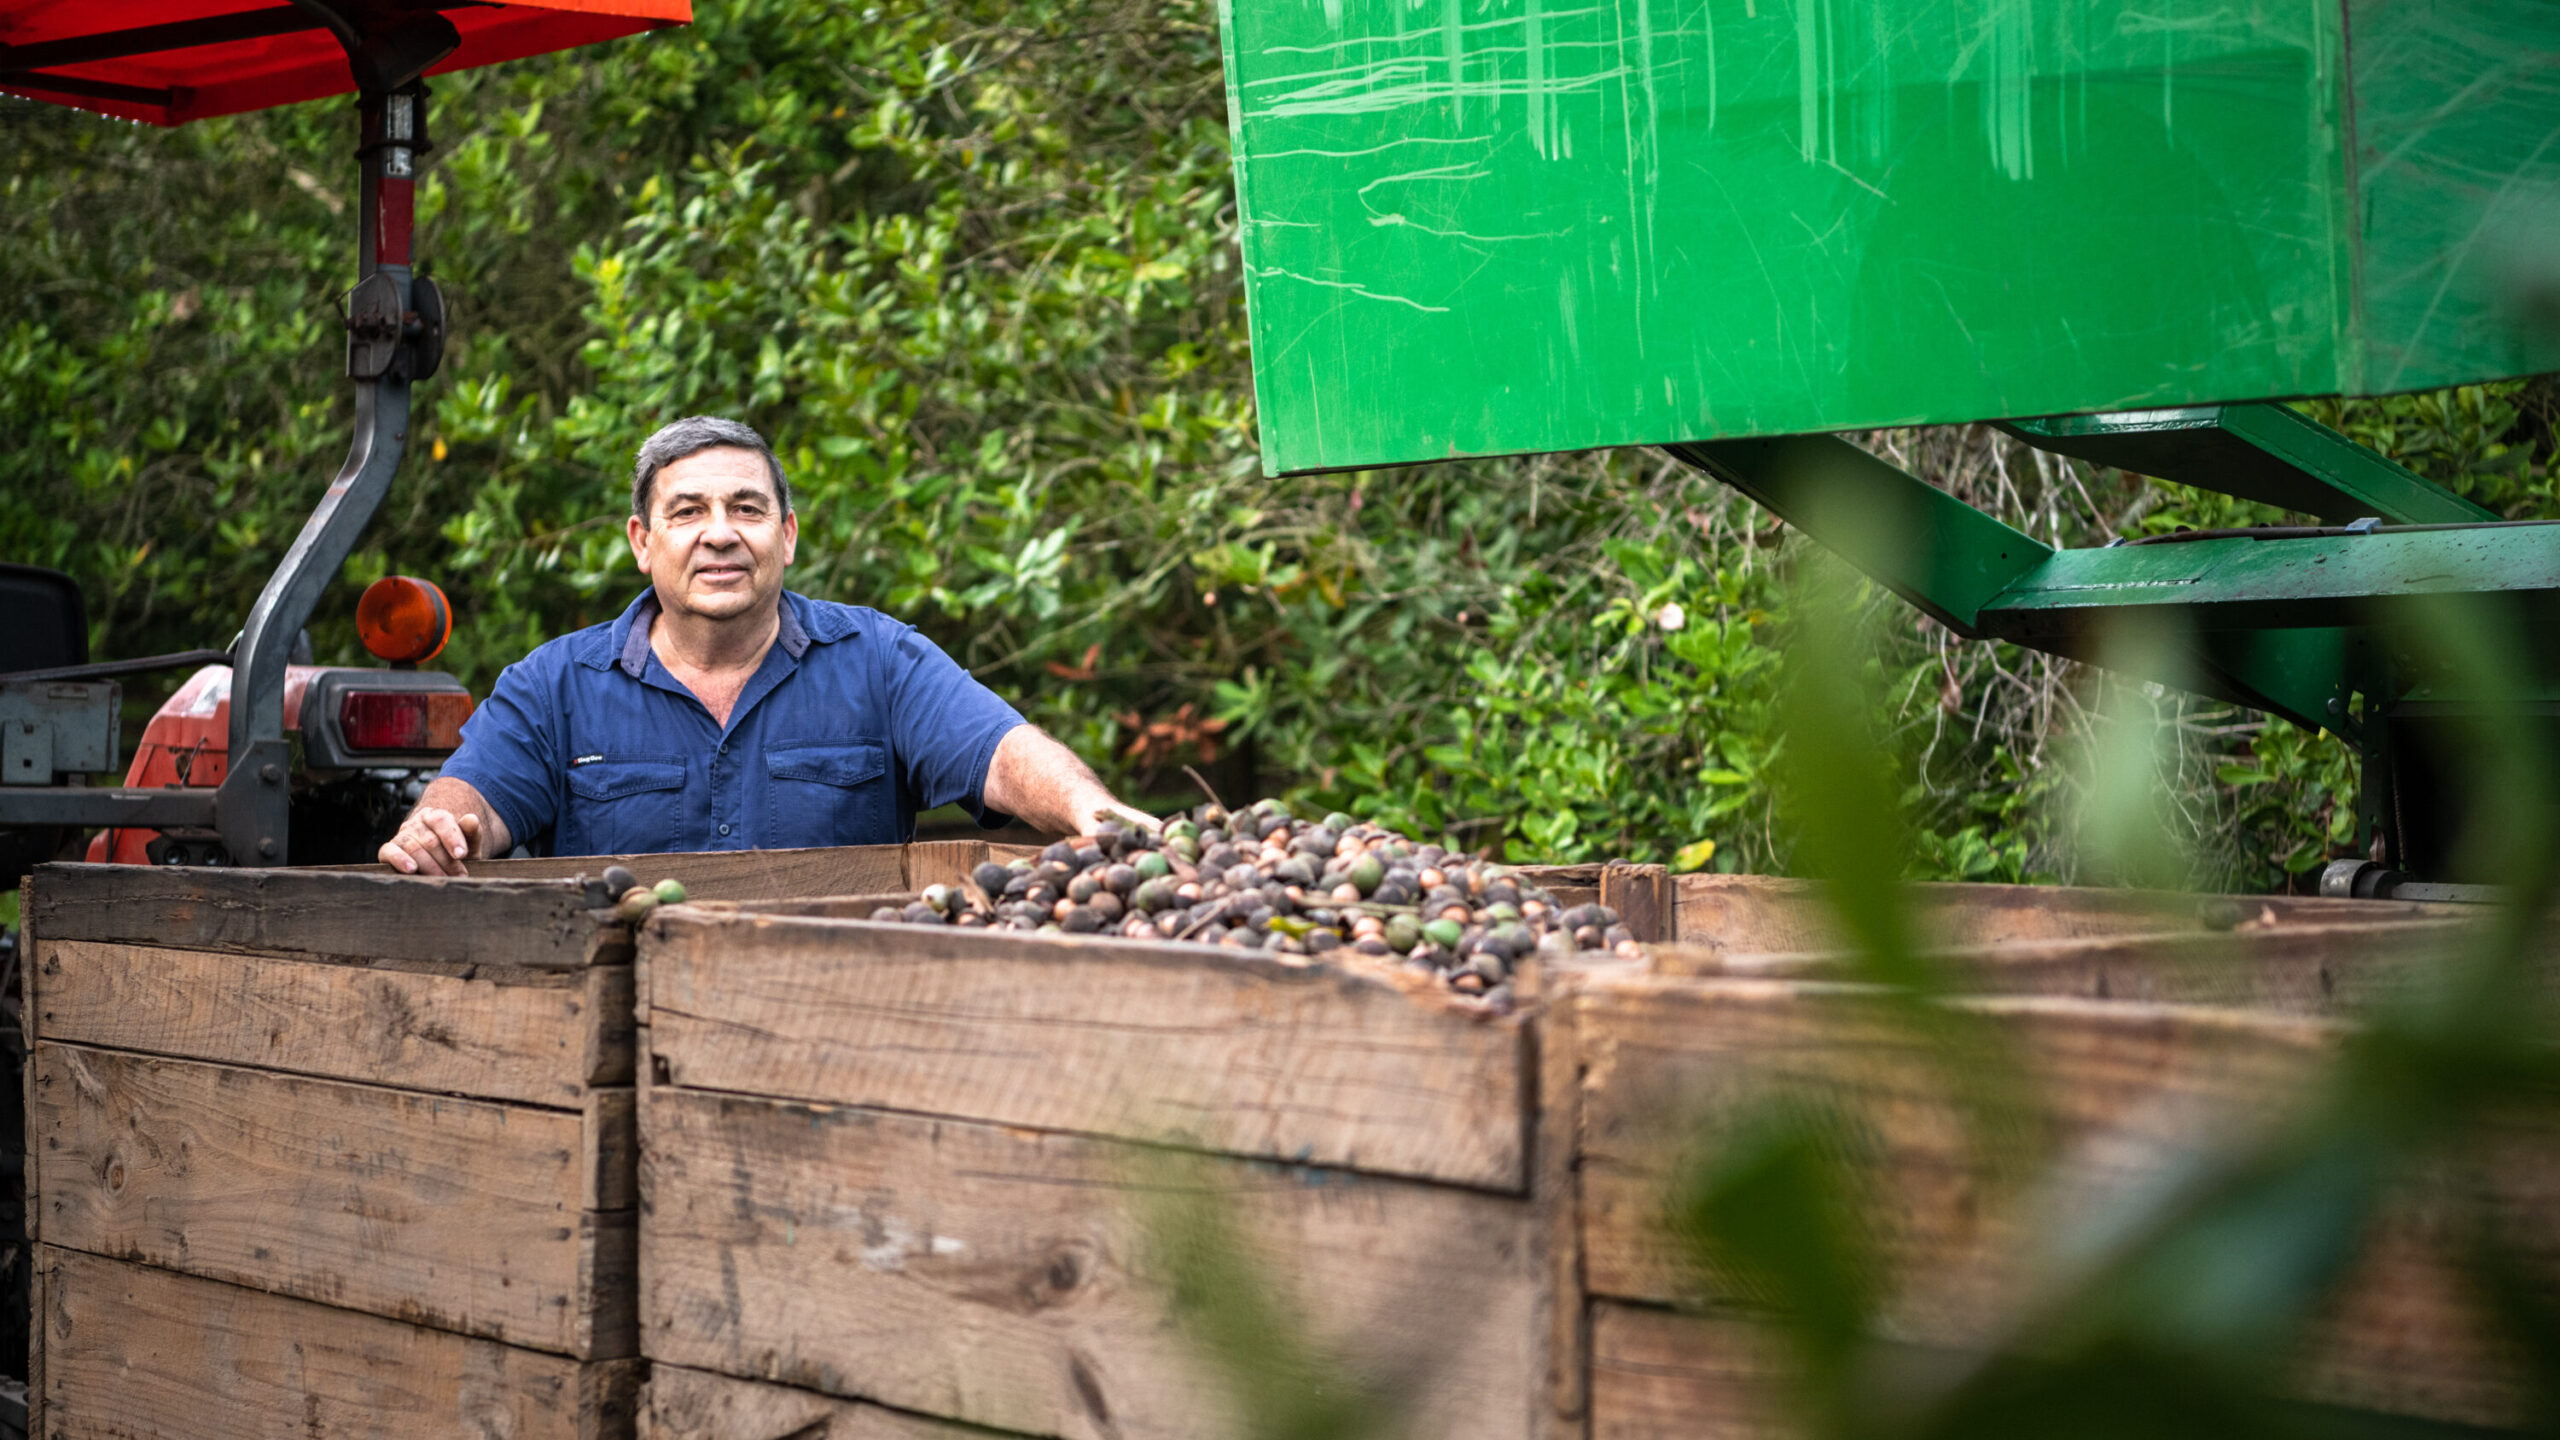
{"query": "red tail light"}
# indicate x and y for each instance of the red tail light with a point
(402, 720)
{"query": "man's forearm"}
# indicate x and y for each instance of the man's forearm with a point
(1048, 787)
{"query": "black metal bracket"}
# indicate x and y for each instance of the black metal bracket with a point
(422, 328)
(383, 339)
(373, 316)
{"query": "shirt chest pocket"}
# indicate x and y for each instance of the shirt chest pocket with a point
(624, 805)
(829, 793)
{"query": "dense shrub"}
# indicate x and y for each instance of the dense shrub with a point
(973, 267)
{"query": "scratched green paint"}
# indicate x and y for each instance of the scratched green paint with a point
(1494, 226)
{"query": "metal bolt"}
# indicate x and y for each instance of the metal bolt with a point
(267, 847)
(272, 774)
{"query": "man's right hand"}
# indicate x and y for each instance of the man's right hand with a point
(433, 841)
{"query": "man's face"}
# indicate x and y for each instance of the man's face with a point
(717, 539)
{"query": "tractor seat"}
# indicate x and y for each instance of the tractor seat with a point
(48, 623)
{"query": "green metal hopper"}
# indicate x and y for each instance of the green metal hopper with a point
(1479, 227)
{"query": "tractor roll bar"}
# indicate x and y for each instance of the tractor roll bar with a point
(395, 335)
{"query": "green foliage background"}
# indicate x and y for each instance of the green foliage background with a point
(973, 268)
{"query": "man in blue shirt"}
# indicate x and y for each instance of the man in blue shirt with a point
(723, 712)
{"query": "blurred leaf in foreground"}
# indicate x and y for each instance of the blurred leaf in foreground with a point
(1837, 787)
(1260, 1347)
(1778, 1215)
(2124, 829)
(2185, 1307)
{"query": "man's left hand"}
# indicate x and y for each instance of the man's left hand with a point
(1109, 809)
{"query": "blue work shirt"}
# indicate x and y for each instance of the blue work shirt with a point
(853, 724)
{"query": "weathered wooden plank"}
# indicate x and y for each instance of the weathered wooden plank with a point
(1659, 1375)
(1007, 1278)
(1729, 915)
(2307, 968)
(938, 862)
(1571, 885)
(2127, 1091)
(2406, 1334)
(715, 874)
(462, 1214)
(539, 924)
(1668, 1061)
(136, 1353)
(698, 1405)
(609, 1150)
(821, 907)
(1646, 899)
(31, 997)
(613, 1016)
(39, 1306)
(1148, 1041)
(543, 1037)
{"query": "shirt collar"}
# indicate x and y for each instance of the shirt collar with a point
(637, 624)
(625, 645)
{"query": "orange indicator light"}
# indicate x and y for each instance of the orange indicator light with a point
(404, 620)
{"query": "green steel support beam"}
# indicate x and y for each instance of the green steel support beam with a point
(2285, 625)
(2269, 453)
(2299, 675)
(1913, 539)
(1961, 567)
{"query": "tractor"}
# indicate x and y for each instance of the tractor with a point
(260, 757)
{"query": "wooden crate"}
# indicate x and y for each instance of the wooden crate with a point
(2128, 1089)
(894, 1176)
(911, 1167)
(391, 1114)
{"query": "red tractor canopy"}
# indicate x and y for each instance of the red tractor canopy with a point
(171, 61)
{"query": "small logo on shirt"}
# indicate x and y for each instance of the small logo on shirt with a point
(584, 760)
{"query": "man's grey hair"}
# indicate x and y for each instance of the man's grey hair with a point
(691, 435)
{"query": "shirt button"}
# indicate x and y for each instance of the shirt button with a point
(724, 829)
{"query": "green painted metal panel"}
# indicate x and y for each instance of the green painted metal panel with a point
(1495, 226)
(2455, 103)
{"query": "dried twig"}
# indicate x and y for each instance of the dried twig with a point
(1197, 779)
